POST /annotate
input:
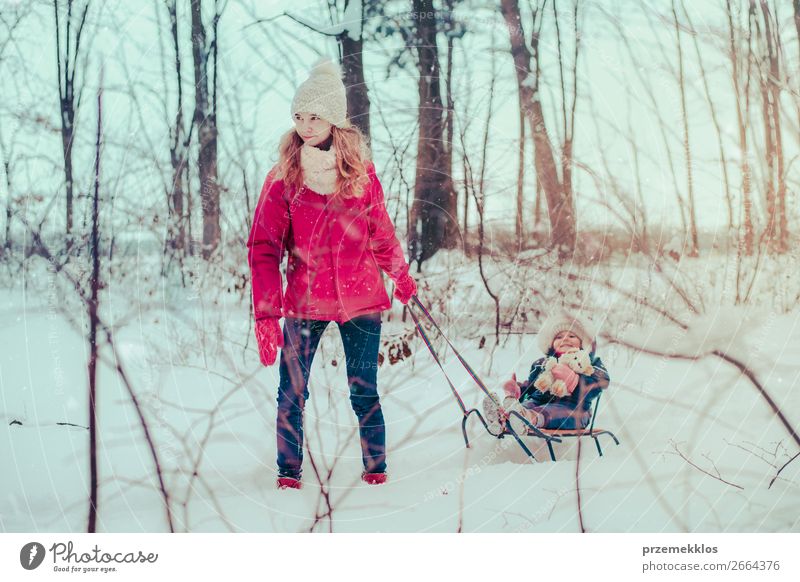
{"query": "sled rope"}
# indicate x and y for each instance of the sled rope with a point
(467, 412)
(427, 341)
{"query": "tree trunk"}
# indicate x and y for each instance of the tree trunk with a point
(433, 222)
(694, 250)
(778, 212)
(449, 124)
(66, 64)
(715, 120)
(465, 223)
(9, 197)
(797, 20)
(206, 126)
(358, 104)
(537, 205)
(559, 201)
(93, 306)
(740, 93)
(766, 62)
(67, 121)
(519, 229)
(178, 150)
(568, 103)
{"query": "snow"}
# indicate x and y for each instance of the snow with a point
(726, 329)
(351, 23)
(352, 19)
(699, 446)
(530, 81)
(330, 30)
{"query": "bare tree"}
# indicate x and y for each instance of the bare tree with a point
(666, 132)
(563, 229)
(452, 31)
(723, 158)
(741, 89)
(351, 45)
(9, 157)
(204, 53)
(10, 20)
(90, 301)
(694, 249)
(478, 192)
(519, 220)
(68, 51)
(93, 307)
(569, 96)
(775, 233)
(180, 137)
(796, 4)
(433, 220)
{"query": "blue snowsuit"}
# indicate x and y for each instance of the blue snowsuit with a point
(567, 412)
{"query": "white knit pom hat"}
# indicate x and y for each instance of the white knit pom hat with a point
(563, 321)
(323, 94)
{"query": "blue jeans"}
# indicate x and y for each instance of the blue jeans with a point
(559, 416)
(361, 340)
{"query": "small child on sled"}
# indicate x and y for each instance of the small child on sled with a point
(561, 386)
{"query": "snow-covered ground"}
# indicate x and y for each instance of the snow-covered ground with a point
(699, 445)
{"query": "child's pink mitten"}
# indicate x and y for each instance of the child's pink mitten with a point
(511, 388)
(568, 376)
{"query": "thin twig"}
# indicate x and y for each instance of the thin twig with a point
(578, 489)
(145, 427)
(782, 468)
(717, 477)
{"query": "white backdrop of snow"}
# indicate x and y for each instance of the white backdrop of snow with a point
(187, 356)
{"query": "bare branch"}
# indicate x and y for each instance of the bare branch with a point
(781, 469)
(704, 471)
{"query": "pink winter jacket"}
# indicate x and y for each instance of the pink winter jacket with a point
(336, 247)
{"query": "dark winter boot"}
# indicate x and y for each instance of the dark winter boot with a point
(373, 478)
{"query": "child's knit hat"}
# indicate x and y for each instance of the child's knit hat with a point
(563, 321)
(323, 93)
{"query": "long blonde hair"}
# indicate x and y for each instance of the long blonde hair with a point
(352, 158)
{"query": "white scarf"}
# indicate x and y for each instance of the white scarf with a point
(319, 169)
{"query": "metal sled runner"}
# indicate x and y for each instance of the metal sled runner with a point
(556, 434)
(550, 436)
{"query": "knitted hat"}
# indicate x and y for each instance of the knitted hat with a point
(323, 94)
(563, 321)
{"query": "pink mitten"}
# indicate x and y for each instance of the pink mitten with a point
(269, 338)
(564, 373)
(405, 288)
(511, 388)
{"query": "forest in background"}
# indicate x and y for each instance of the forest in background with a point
(635, 157)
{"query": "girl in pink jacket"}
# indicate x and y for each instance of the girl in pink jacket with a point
(323, 207)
